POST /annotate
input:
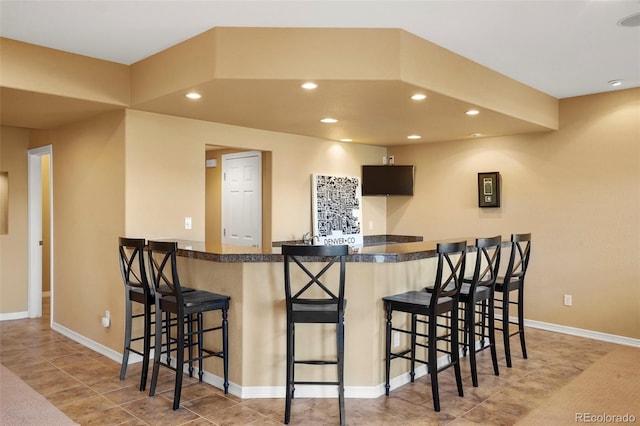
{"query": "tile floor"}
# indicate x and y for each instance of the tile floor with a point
(86, 387)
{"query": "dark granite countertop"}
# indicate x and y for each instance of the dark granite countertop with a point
(376, 249)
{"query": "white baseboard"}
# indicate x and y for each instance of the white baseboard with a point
(14, 316)
(101, 349)
(308, 391)
(579, 332)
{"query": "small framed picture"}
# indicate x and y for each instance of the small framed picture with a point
(489, 189)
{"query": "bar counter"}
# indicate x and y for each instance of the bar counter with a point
(376, 249)
(383, 266)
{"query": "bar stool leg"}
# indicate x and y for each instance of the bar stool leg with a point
(200, 344)
(455, 350)
(388, 351)
(290, 364)
(433, 363)
(127, 339)
(492, 335)
(521, 319)
(147, 347)
(465, 327)
(505, 326)
(225, 349)
(470, 339)
(190, 341)
(157, 351)
(340, 343)
(414, 329)
(179, 362)
(483, 322)
(167, 318)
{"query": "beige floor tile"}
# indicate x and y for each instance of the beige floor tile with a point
(206, 405)
(237, 414)
(78, 409)
(71, 394)
(158, 410)
(126, 394)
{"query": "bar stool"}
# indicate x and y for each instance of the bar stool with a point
(137, 290)
(310, 301)
(513, 280)
(438, 303)
(188, 309)
(476, 295)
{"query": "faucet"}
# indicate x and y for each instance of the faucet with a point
(307, 238)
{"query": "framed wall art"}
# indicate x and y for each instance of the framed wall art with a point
(337, 210)
(489, 189)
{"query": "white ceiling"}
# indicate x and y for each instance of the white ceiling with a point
(562, 47)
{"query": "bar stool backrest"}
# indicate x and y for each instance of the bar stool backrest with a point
(487, 262)
(314, 301)
(519, 257)
(132, 268)
(163, 269)
(450, 271)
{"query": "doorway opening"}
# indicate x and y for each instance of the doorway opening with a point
(40, 234)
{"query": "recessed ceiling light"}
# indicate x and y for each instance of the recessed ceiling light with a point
(193, 95)
(329, 120)
(346, 140)
(419, 97)
(309, 85)
(472, 112)
(476, 135)
(632, 20)
(615, 83)
(414, 137)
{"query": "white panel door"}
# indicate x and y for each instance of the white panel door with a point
(242, 199)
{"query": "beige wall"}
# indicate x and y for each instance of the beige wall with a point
(577, 190)
(88, 211)
(169, 152)
(14, 143)
(213, 195)
(43, 70)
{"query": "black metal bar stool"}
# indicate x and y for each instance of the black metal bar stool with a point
(186, 312)
(312, 300)
(477, 301)
(513, 280)
(137, 290)
(440, 302)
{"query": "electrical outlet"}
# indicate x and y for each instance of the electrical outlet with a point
(106, 319)
(391, 160)
(568, 300)
(396, 339)
(187, 223)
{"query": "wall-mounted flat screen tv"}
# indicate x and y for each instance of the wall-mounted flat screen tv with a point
(387, 180)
